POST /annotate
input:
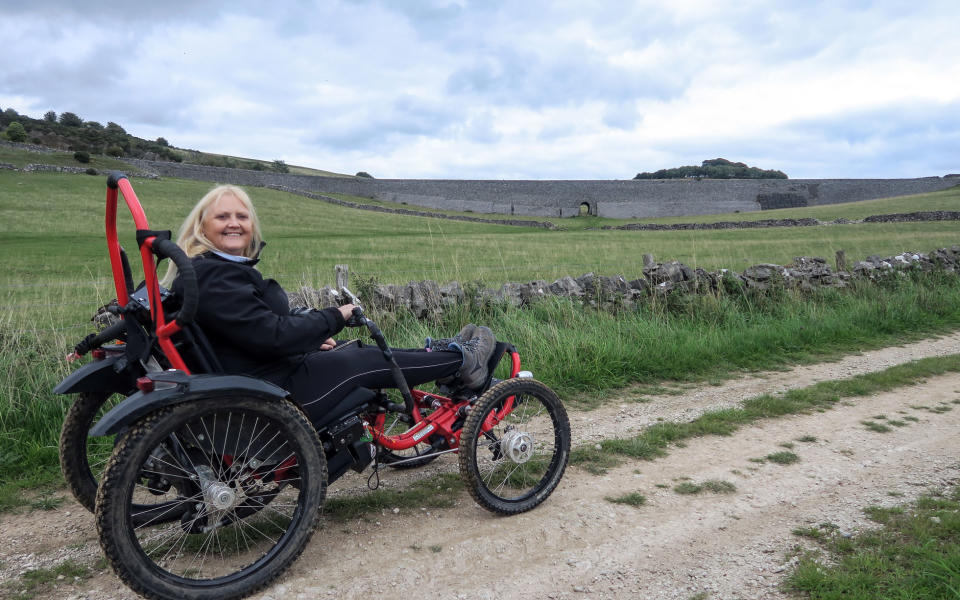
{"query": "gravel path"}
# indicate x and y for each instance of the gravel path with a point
(580, 545)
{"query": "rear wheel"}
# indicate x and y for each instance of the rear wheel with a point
(82, 458)
(213, 498)
(513, 462)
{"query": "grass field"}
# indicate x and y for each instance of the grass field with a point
(56, 273)
(51, 227)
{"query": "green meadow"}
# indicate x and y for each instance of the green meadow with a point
(52, 232)
(56, 273)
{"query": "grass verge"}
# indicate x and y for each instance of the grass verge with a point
(654, 441)
(915, 554)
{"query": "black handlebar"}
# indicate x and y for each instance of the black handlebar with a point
(359, 319)
(95, 340)
(191, 295)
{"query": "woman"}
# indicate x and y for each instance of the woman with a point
(248, 320)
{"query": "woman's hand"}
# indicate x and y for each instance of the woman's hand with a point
(328, 344)
(347, 311)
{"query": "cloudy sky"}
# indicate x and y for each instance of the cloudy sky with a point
(522, 89)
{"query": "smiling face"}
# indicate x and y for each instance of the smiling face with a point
(227, 225)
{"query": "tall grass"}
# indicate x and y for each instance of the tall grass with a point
(583, 352)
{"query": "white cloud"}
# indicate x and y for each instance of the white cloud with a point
(502, 89)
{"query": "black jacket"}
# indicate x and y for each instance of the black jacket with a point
(247, 319)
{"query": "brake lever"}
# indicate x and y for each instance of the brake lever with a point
(351, 297)
(358, 319)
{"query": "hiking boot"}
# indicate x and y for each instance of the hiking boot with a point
(476, 353)
(465, 334)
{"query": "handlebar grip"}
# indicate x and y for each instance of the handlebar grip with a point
(358, 319)
(95, 340)
(191, 293)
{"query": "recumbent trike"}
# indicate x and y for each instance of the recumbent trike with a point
(215, 481)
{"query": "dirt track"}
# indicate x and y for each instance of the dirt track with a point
(580, 545)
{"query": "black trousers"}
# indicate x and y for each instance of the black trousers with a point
(323, 378)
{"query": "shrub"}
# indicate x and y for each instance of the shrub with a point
(364, 174)
(115, 151)
(717, 168)
(50, 116)
(280, 166)
(16, 132)
(81, 156)
(114, 128)
(91, 171)
(163, 141)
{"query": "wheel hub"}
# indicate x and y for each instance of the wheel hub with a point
(216, 494)
(517, 446)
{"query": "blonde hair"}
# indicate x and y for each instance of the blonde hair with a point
(191, 238)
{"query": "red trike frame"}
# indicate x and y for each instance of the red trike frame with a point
(164, 330)
(446, 412)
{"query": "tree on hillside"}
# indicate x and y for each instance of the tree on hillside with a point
(69, 119)
(50, 116)
(16, 132)
(722, 162)
(163, 141)
(280, 166)
(717, 168)
(364, 174)
(114, 128)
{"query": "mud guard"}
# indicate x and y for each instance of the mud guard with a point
(175, 387)
(100, 375)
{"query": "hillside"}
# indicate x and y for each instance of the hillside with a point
(69, 132)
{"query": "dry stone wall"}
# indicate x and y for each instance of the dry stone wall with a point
(429, 299)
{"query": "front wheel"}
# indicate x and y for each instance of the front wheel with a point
(211, 499)
(512, 460)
